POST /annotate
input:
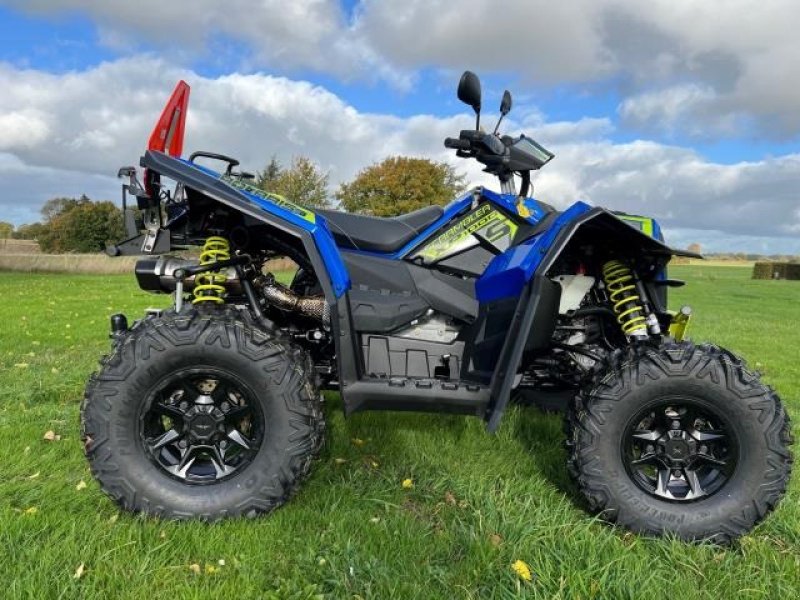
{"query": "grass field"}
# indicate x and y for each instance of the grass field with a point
(478, 502)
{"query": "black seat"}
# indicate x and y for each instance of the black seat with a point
(377, 234)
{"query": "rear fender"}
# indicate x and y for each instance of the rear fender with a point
(310, 229)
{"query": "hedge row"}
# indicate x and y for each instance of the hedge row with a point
(776, 270)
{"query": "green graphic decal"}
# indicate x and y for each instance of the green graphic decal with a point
(643, 224)
(275, 199)
(485, 221)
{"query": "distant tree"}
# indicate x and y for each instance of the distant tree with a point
(400, 184)
(57, 206)
(29, 231)
(696, 248)
(6, 230)
(266, 179)
(303, 183)
(80, 225)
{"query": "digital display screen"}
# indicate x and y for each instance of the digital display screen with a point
(526, 144)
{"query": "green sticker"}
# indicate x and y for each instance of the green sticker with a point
(643, 224)
(275, 199)
(490, 224)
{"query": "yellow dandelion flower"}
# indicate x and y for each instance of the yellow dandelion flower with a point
(522, 570)
(408, 483)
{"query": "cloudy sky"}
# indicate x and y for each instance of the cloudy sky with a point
(685, 110)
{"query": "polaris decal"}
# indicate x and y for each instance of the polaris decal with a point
(485, 222)
(275, 199)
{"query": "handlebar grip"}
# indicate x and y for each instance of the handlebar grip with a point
(457, 144)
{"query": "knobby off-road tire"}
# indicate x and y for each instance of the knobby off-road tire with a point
(275, 375)
(710, 381)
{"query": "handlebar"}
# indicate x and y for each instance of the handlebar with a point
(501, 155)
(457, 144)
(477, 142)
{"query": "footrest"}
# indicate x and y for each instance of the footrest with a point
(423, 395)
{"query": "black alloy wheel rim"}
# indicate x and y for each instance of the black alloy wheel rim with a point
(679, 450)
(201, 426)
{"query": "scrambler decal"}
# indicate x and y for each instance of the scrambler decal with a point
(485, 222)
(275, 199)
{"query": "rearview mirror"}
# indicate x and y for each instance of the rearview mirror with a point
(505, 103)
(469, 91)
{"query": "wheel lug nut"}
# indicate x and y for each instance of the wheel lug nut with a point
(182, 443)
(650, 448)
(676, 473)
(703, 449)
(184, 405)
(225, 406)
(676, 424)
(223, 444)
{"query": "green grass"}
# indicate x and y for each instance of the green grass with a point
(479, 502)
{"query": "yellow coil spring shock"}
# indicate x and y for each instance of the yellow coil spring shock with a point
(210, 286)
(626, 302)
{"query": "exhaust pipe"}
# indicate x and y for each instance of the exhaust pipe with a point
(282, 297)
(158, 275)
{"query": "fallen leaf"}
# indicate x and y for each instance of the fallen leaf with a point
(522, 570)
(31, 510)
(374, 464)
(408, 483)
(195, 568)
(340, 461)
(21, 365)
(356, 441)
(628, 538)
(450, 498)
(163, 535)
(221, 562)
(375, 520)
(81, 485)
(495, 539)
(35, 475)
(79, 571)
(113, 519)
(51, 436)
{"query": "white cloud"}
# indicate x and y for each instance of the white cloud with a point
(22, 128)
(735, 61)
(299, 34)
(100, 119)
(680, 188)
(24, 188)
(688, 108)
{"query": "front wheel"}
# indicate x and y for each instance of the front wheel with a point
(680, 439)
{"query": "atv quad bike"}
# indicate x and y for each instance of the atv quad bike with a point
(213, 408)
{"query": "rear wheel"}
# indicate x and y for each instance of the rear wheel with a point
(681, 440)
(201, 414)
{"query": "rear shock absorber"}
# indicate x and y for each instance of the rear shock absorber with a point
(210, 286)
(626, 303)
